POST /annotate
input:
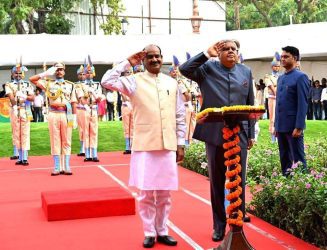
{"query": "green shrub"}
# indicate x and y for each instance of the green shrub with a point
(196, 159)
(296, 204)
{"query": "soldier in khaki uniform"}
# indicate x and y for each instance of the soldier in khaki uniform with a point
(20, 94)
(185, 88)
(89, 94)
(80, 110)
(270, 81)
(127, 117)
(62, 115)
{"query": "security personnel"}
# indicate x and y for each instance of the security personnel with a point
(20, 93)
(89, 96)
(62, 114)
(270, 81)
(185, 88)
(80, 110)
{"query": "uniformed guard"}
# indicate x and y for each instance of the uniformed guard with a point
(184, 88)
(270, 81)
(89, 96)
(80, 109)
(62, 114)
(127, 117)
(20, 93)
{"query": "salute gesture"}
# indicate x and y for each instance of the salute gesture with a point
(216, 49)
(137, 58)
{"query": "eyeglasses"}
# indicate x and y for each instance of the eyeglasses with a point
(229, 48)
(152, 56)
(18, 73)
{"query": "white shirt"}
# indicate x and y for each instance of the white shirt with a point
(38, 101)
(111, 97)
(324, 95)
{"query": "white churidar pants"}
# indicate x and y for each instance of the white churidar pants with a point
(154, 209)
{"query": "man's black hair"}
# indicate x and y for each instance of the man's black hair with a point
(293, 51)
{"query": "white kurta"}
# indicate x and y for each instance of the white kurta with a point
(149, 170)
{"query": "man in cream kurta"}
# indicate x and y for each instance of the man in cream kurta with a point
(159, 131)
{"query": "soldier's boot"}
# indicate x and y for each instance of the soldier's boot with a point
(20, 157)
(87, 155)
(95, 155)
(82, 150)
(67, 170)
(15, 156)
(56, 170)
(25, 155)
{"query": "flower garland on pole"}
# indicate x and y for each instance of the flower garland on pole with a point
(235, 215)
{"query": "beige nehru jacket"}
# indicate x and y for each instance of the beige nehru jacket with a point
(154, 110)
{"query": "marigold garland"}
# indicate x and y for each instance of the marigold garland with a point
(238, 221)
(230, 109)
(232, 160)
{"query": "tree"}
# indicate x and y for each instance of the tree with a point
(268, 13)
(111, 24)
(35, 16)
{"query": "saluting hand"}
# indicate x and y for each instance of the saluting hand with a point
(215, 49)
(136, 58)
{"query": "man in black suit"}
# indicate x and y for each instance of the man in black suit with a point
(222, 83)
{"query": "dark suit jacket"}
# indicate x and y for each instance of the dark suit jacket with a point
(220, 87)
(291, 101)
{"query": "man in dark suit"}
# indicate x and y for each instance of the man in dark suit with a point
(291, 108)
(222, 83)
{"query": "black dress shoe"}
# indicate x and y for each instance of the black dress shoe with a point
(19, 163)
(81, 154)
(14, 157)
(167, 240)
(127, 152)
(218, 235)
(88, 159)
(148, 242)
(25, 163)
(68, 173)
(95, 159)
(246, 219)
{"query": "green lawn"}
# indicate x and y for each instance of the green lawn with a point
(111, 138)
(313, 131)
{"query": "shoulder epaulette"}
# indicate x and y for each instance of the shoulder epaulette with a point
(69, 82)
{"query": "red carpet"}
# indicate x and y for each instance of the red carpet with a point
(24, 226)
(87, 203)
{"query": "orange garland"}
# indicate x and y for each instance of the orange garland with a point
(232, 149)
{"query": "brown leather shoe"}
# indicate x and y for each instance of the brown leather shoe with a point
(167, 240)
(148, 242)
